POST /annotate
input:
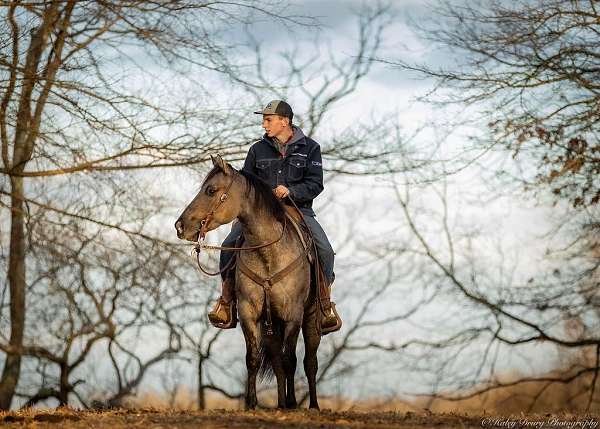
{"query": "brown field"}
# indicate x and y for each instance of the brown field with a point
(528, 398)
(530, 405)
(155, 419)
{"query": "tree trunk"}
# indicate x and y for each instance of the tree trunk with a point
(201, 393)
(63, 397)
(16, 280)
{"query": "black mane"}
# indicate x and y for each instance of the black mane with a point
(263, 195)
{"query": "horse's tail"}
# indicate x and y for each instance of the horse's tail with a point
(265, 370)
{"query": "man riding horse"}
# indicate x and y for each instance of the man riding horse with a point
(290, 163)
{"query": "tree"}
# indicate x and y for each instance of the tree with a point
(500, 312)
(97, 99)
(529, 67)
(525, 72)
(72, 118)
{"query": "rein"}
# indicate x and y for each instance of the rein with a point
(200, 245)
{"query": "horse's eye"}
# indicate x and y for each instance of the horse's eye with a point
(210, 191)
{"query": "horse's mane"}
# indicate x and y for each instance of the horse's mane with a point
(263, 195)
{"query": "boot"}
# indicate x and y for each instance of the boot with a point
(330, 320)
(224, 313)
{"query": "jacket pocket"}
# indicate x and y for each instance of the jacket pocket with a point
(262, 168)
(297, 167)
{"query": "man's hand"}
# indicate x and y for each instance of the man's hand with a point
(281, 191)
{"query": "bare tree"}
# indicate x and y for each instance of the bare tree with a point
(314, 75)
(529, 69)
(97, 100)
(525, 73)
(84, 297)
(491, 310)
(70, 110)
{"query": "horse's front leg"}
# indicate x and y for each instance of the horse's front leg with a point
(292, 330)
(311, 345)
(249, 322)
(273, 344)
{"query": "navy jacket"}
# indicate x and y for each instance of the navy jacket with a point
(300, 170)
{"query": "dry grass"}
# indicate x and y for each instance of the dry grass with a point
(301, 419)
(534, 397)
(153, 411)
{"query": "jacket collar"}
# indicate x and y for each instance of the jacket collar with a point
(298, 138)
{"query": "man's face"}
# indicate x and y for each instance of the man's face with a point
(274, 124)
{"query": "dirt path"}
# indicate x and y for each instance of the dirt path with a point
(154, 419)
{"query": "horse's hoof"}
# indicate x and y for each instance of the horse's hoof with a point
(291, 403)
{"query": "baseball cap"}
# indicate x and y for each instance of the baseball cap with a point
(277, 107)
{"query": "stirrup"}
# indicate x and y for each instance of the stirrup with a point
(337, 326)
(232, 314)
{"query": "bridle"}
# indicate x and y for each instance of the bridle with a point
(204, 230)
(204, 222)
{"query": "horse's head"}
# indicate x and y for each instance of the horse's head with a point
(217, 203)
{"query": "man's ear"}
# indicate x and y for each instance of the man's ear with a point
(221, 164)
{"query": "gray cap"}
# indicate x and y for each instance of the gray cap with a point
(277, 107)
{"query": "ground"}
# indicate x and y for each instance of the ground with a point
(155, 419)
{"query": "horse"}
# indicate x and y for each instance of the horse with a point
(271, 314)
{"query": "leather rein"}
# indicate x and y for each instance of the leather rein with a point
(200, 245)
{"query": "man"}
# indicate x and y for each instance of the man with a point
(290, 163)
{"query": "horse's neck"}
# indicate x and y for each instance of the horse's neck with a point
(258, 226)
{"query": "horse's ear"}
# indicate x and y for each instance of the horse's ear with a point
(221, 164)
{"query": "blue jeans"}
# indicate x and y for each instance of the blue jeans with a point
(326, 255)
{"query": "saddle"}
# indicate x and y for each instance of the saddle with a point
(320, 283)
